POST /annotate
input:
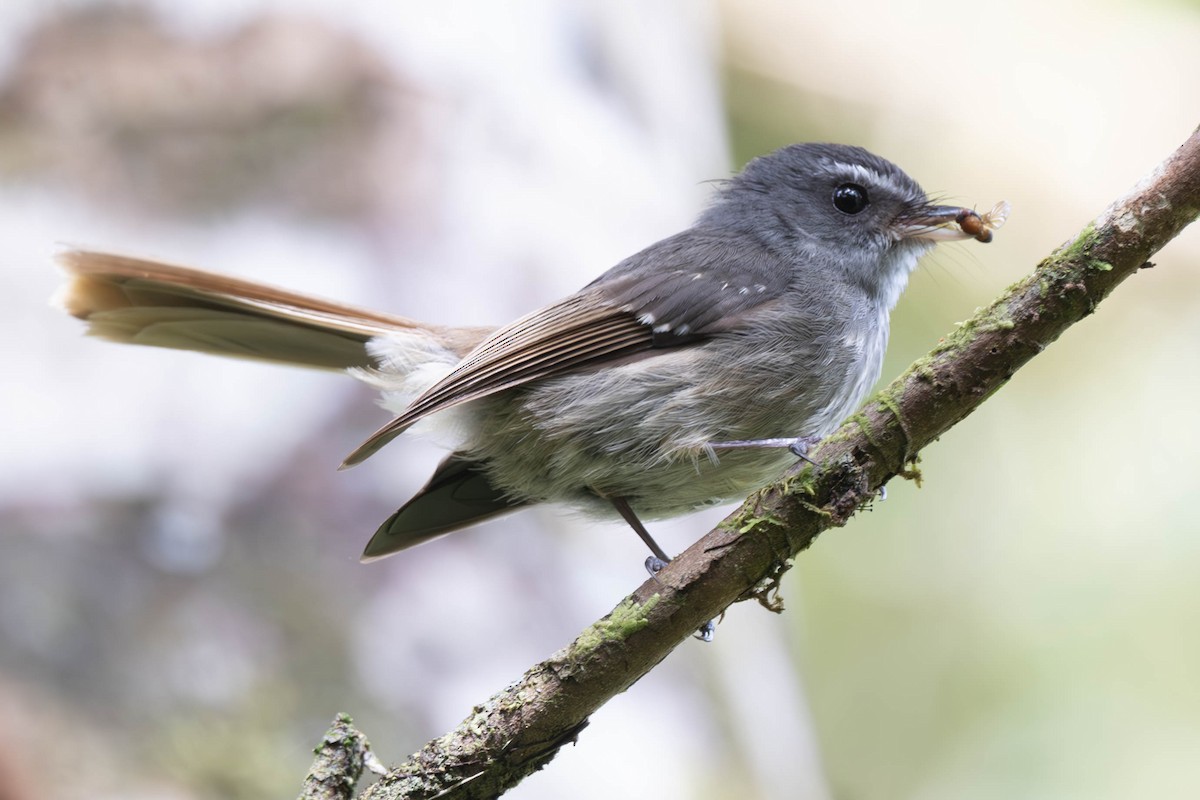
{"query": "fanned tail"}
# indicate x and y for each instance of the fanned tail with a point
(149, 303)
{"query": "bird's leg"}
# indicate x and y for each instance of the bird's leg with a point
(799, 445)
(660, 559)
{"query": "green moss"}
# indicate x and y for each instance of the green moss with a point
(887, 402)
(750, 522)
(911, 472)
(1083, 242)
(1049, 272)
(923, 368)
(816, 509)
(624, 620)
(864, 425)
(1102, 266)
(803, 483)
(996, 317)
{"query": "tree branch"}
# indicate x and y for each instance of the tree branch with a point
(338, 762)
(521, 728)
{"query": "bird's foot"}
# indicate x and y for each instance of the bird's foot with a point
(799, 445)
(705, 632)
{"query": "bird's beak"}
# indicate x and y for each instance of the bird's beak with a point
(948, 223)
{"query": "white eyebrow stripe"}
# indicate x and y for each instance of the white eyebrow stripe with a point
(870, 177)
(858, 171)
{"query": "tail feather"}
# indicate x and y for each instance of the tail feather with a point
(145, 302)
(459, 495)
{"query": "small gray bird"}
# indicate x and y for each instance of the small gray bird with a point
(685, 376)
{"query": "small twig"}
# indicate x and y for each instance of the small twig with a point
(339, 762)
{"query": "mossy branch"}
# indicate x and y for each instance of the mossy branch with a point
(521, 728)
(338, 762)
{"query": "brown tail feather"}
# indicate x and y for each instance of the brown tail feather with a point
(146, 302)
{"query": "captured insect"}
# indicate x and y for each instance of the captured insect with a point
(981, 226)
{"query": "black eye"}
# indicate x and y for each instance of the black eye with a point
(850, 198)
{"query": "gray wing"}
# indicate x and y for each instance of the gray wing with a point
(676, 292)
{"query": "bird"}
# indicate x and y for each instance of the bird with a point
(686, 376)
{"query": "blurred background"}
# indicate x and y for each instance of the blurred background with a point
(182, 610)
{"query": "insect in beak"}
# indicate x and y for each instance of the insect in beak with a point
(948, 223)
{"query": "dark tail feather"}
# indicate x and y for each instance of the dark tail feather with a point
(458, 495)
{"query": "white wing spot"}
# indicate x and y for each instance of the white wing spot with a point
(646, 319)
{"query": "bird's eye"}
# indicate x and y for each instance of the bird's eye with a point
(850, 198)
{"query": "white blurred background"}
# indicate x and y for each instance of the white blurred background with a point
(182, 611)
